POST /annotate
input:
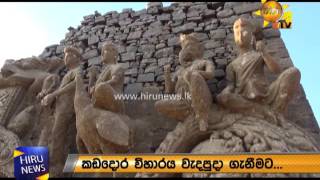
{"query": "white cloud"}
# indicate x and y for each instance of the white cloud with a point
(20, 35)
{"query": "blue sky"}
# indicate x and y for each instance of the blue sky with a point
(26, 28)
(303, 44)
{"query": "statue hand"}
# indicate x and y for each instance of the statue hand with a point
(41, 95)
(47, 100)
(260, 46)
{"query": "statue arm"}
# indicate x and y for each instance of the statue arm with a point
(114, 79)
(49, 98)
(65, 89)
(49, 85)
(230, 76)
(54, 84)
(15, 81)
(272, 65)
(93, 74)
(209, 70)
(116, 76)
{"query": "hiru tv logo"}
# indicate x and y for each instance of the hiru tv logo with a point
(31, 163)
(273, 12)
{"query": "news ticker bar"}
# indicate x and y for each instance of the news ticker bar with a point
(194, 163)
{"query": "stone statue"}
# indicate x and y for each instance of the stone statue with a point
(28, 72)
(64, 109)
(248, 90)
(103, 113)
(50, 84)
(109, 83)
(26, 76)
(242, 129)
(93, 74)
(190, 78)
(98, 130)
(20, 82)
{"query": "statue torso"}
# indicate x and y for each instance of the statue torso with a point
(181, 85)
(108, 72)
(68, 78)
(250, 80)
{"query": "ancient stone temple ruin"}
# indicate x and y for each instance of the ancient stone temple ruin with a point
(64, 94)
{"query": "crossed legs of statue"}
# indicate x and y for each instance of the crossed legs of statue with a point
(238, 104)
(104, 97)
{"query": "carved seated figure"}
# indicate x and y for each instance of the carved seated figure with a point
(189, 79)
(101, 125)
(109, 83)
(98, 131)
(248, 91)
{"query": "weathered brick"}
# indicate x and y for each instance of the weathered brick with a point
(165, 52)
(131, 56)
(93, 39)
(90, 54)
(149, 77)
(134, 88)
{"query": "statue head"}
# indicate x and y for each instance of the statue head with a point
(185, 58)
(192, 49)
(8, 68)
(72, 57)
(189, 39)
(243, 32)
(109, 53)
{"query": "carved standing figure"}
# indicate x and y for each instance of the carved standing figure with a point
(189, 79)
(64, 109)
(248, 90)
(50, 84)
